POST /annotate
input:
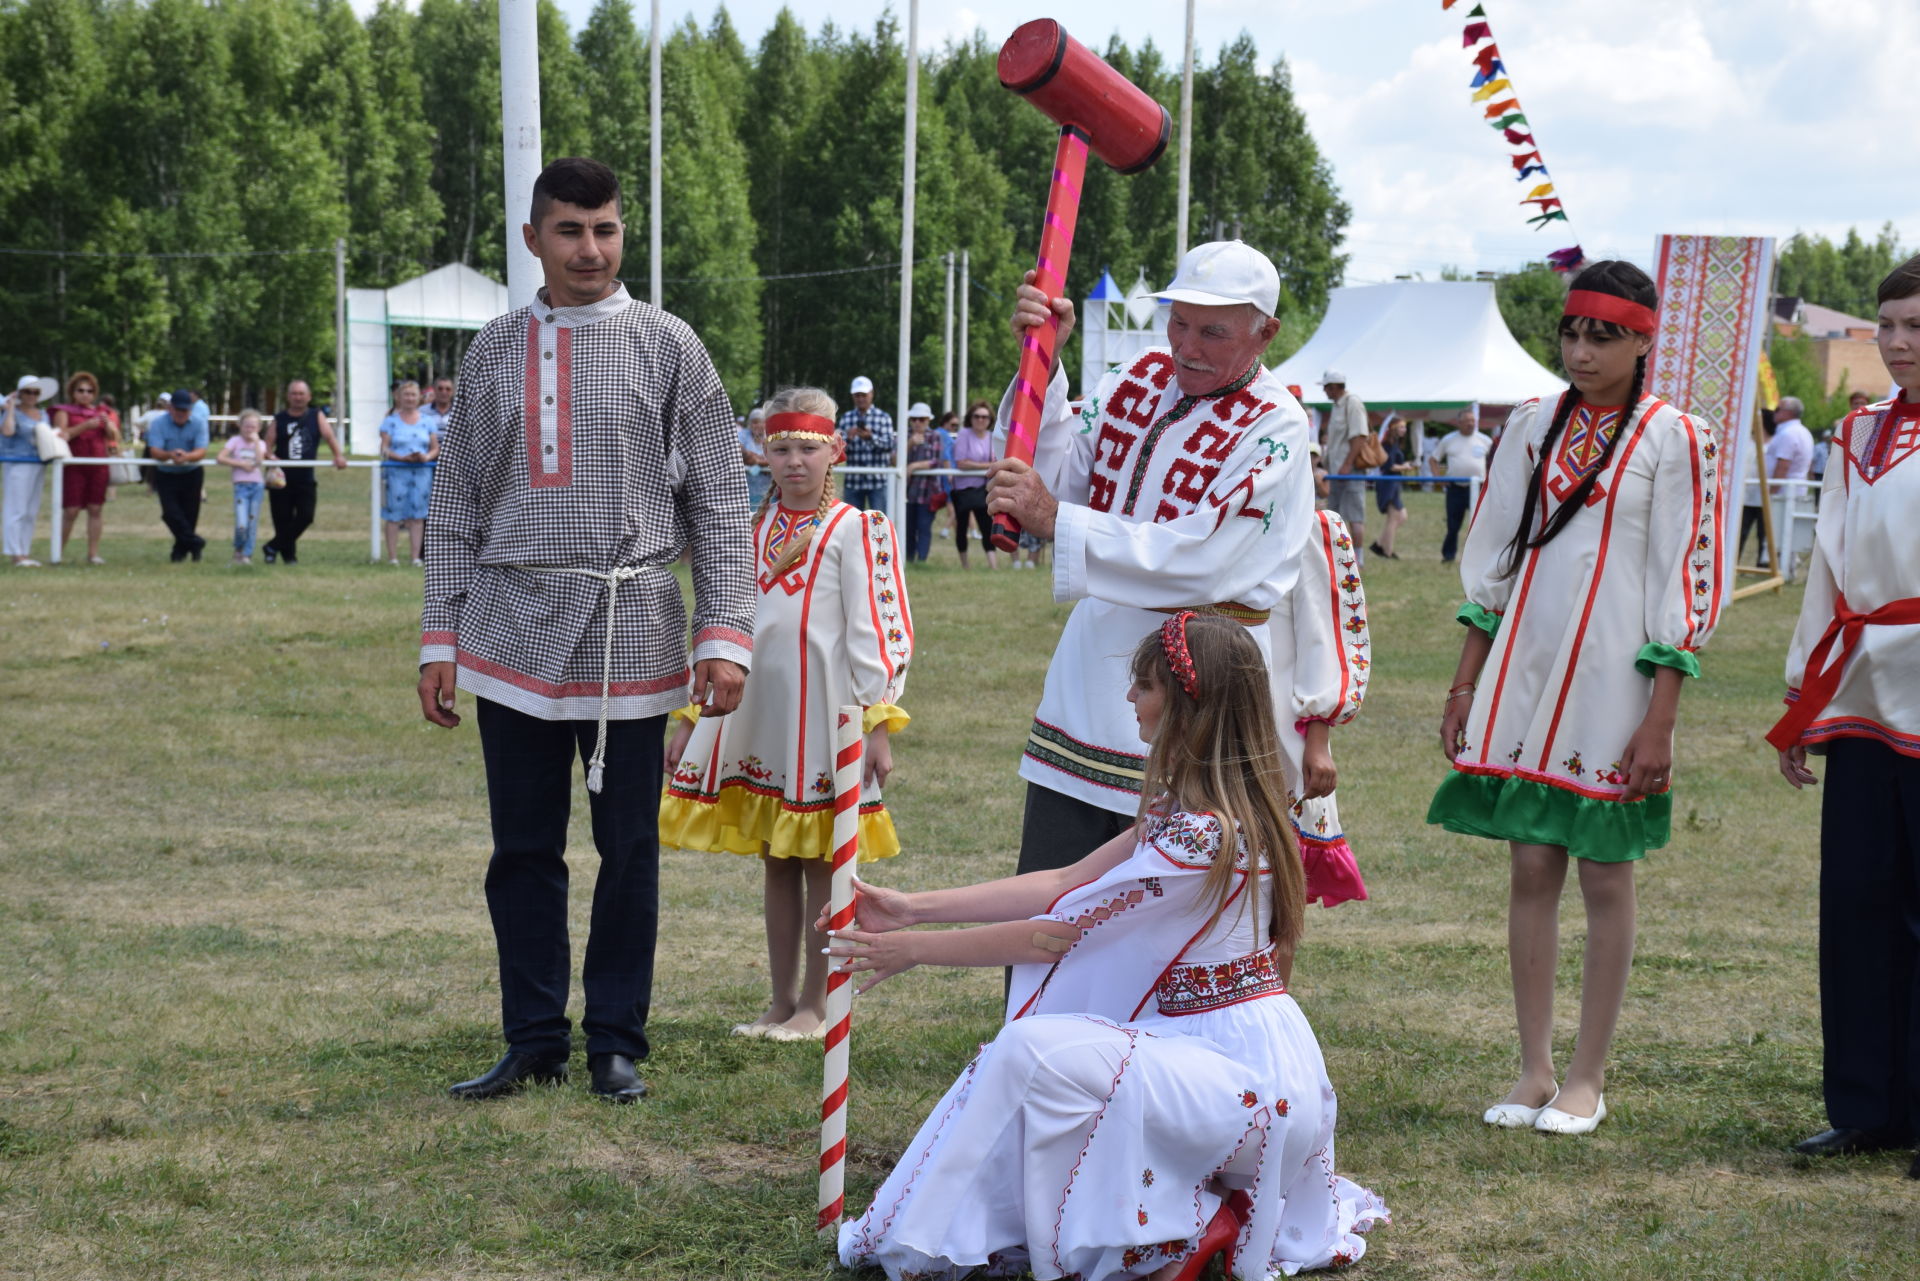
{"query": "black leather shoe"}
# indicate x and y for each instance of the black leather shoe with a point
(512, 1073)
(1841, 1142)
(614, 1078)
(199, 545)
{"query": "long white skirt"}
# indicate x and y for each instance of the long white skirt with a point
(1078, 1147)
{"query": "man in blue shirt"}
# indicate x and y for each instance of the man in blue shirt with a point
(868, 431)
(177, 438)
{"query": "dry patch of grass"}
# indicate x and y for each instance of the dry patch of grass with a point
(244, 949)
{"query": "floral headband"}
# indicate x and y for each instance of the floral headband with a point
(1173, 640)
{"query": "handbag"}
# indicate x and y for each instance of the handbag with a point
(52, 445)
(124, 471)
(1365, 453)
(937, 500)
(276, 478)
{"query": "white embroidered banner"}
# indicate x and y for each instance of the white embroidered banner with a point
(1714, 311)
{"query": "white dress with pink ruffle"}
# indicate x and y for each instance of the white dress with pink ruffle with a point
(1156, 1067)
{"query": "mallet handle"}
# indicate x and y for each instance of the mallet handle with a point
(1037, 347)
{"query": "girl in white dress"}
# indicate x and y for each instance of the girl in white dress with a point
(1156, 1099)
(1592, 577)
(833, 629)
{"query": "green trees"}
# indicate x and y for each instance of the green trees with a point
(173, 175)
(1845, 276)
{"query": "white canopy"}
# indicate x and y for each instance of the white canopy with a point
(451, 297)
(1419, 345)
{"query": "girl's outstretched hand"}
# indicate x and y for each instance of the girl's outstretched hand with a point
(864, 952)
(876, 909)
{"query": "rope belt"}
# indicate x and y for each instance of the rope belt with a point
(1244, 614)
(596, 767)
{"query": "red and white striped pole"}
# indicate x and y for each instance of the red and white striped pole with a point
(849, 761)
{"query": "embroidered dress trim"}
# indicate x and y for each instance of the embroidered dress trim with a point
(1055, 748)
(1195, 989)
(1181, 408)
(1541, 811)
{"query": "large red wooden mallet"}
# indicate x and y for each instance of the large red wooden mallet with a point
(1097, 109)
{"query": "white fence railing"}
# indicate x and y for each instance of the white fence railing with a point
(59, 467)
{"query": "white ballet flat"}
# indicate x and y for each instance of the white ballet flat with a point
(1512, 1116)
(1553, 1121)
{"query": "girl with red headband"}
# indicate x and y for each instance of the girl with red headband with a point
(1155, 1100)
(1853, 695)
(833, 629)
(1592, 578)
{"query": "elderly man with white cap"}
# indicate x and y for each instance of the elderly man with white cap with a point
(868, 431)
(1184, 484)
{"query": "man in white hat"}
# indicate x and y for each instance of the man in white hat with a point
(868, 431)
(1184, 484)
(1346, 423)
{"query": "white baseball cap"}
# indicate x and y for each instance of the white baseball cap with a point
(1221, 273)
(920, 410)
(862, 384)
(47, 388)
(1333, 376)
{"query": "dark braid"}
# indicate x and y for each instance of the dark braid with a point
(1623, 280)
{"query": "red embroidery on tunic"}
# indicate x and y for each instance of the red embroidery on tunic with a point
(1583, 443)
(549, 456)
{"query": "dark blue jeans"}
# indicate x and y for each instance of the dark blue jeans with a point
(919, 531)
(1456, 514)
(872, 498)
(530, 782)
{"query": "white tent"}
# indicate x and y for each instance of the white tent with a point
(1419, 345)
(1116, 327)
(451, 297)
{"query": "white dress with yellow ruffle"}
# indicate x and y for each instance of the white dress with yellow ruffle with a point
(833, 630)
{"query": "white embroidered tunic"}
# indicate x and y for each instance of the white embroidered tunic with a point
(592, 438)
(1632, 582)
(834, 630)
(1166, 502)
(1865, 561)
(1159, 1061)
(1321, 662)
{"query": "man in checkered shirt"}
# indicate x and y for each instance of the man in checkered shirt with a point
(868, 432)
(589, 441)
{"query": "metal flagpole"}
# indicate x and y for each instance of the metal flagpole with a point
(340, 401)
(898, 487)
(653, 158)
(1186, 142)
(519, 138)
(965, 289)
(946, 373)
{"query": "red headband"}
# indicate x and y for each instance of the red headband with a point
(800, 425)
(1173, 639)
(1620, 311)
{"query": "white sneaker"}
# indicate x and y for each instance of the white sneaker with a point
(1553, 1121)
(392, 561)
(417, 562)
(28, 563)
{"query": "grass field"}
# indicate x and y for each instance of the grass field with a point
(243, 950)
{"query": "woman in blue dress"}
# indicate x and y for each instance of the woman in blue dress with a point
(409, 443)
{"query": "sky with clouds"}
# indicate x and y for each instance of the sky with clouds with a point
(1753, 117)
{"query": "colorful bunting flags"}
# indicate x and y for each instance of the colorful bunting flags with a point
(1491, 81)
